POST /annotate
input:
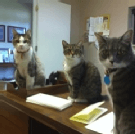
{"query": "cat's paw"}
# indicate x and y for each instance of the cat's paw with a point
(69, 98)
(28, 87)
(16, 88)
(113, 131)
(81, 100)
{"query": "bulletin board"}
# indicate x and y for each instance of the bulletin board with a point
(106, 21)
(99, 24)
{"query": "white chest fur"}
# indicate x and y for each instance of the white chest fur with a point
(110, 86)
(22, 61)
(68, 64)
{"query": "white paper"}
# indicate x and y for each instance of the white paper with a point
(95, 24)
(49, 101)
(91, 38)
(92, 21)
(96, 21)
(103, 125)
(91, 30)
(106, 32)
(1, 58)
(100, 20)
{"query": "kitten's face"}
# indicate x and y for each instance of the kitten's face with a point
(115, 52)
(72, 51)
(22, 42)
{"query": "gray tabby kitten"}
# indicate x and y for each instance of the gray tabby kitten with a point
(29, 72)
(83, 77)
(117, 57)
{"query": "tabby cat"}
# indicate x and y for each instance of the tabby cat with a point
(29, 71)
(117, 56)
(83, 77)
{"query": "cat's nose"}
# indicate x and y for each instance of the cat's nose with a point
(111, 62)
(72, 53)
(21, 46)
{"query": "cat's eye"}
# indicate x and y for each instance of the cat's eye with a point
(105, 52)
(25, 41)
(121, 52)
(17, 41)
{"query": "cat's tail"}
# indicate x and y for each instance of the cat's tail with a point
(99, 99)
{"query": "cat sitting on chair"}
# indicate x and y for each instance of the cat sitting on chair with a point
(29, 71)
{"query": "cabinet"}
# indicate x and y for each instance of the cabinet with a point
(12, 121)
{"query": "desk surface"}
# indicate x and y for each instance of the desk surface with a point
(58, 120)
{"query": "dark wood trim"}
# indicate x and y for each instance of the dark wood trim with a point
(134, 30)
(133, 12)
(6, 64)
(54, 119)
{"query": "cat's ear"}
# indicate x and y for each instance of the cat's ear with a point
(127, 37)
(100, 39)
(14, 32)
(80, 43)
(64, 43)
(28, 32)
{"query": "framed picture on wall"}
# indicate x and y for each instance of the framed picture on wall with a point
(2, 33)
(20, 30)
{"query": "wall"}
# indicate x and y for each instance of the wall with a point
(118, 10)
(75, 19)
(13, 13)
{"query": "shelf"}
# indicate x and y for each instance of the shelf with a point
(6, 64)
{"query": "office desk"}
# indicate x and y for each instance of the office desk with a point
(18, 117)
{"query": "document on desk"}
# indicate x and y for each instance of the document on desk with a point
(89, 114)
(49, 101)
(103, 125)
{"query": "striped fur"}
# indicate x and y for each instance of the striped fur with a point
(29, 72)
(118, 53)
(83, 77)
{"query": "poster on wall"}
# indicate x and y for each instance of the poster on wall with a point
(2, 33)
(4, 55)
(20, 30)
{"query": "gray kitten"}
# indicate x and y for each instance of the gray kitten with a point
(116, 55)
(83, 77)
(29, 71)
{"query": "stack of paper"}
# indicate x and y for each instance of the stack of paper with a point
(103, 125)
(49, 101)
(89, 114)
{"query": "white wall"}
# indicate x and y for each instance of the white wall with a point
(75, 19)
(53, 27)
(13, 13)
